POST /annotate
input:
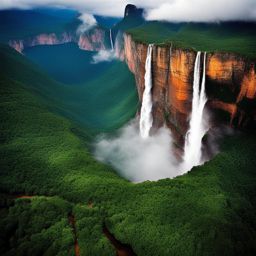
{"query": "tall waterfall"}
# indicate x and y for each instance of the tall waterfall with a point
(193, 140)
(146, 119)
(111, 39)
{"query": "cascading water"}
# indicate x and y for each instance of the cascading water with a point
(146, 119)
(133, 150)
(111, 40)
(193, 140)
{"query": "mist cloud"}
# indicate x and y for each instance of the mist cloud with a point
(88, 22)
(139, 159)
(103, 55)
(201, 10)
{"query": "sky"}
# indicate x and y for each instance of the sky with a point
(169, 10)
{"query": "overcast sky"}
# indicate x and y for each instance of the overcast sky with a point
(171, 10)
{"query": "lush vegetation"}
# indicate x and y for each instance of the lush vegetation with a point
(52, 148)
(36, 226)
(209, 211)
(100, 104)
(237, 37)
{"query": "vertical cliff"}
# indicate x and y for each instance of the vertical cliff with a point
(41, 39)
(230, 85)
(172, 79)
(92, 40)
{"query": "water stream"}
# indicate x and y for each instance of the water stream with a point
(197, 126)
(111, 40)
(146, 119)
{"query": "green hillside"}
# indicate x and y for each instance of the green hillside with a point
(237, 37)
(69, 64)
(100, 104)
(209, 211)
(105, 103)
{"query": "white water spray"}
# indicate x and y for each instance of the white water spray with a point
(193, 140)
(111, 40)
(146, 119)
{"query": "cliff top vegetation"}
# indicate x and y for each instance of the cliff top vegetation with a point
(235, 37)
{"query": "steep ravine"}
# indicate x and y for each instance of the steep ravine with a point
(72, 223)
(121, 248)
(230, 85)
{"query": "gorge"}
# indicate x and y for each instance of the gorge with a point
(124, 135)
(233, 75)
(167, 96)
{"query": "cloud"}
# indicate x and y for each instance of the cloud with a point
(88, 22)
(201, 10)
(170, 10)
(100, 7)
(139, 159)
(103, 55)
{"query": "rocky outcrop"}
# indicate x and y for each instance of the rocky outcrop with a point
(93, 40)
(42, 39)
(132, 10)
(230, 85)
(18, 45)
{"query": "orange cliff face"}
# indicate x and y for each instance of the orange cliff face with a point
(229, 80)
(225, 68)
(180, 88)
(172, 84)
(135, 56)
(172, 89)
(248, 87)
(231, 83)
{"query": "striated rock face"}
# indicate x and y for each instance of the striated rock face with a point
(42, 39)
(18, 45)
(172, 83)
(231, 88)
(248, 88)
(225, 68)
(93, 40)
(230, 85)
(119, 46)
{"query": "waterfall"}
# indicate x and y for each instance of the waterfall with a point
(146, 119)
(111, 40)
(197, 129)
